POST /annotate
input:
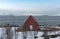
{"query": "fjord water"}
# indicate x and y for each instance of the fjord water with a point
(19, 20)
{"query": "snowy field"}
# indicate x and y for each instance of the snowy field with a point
(20, 35)
(39, 36)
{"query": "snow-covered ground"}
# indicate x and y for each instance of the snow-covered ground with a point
(20, 35)
(39, 36)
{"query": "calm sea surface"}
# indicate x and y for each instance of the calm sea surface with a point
(19, 20)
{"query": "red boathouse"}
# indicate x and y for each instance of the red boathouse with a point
(30, 24)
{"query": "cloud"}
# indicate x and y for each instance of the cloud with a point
(32, 11)
(57, 15)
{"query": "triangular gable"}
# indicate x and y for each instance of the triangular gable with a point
(30, 22)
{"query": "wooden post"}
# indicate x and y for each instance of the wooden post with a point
(24, 35)
(16, 33)
(8, 33)
(45, 35)
(35, 34)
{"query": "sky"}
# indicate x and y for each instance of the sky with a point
(30, 7)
